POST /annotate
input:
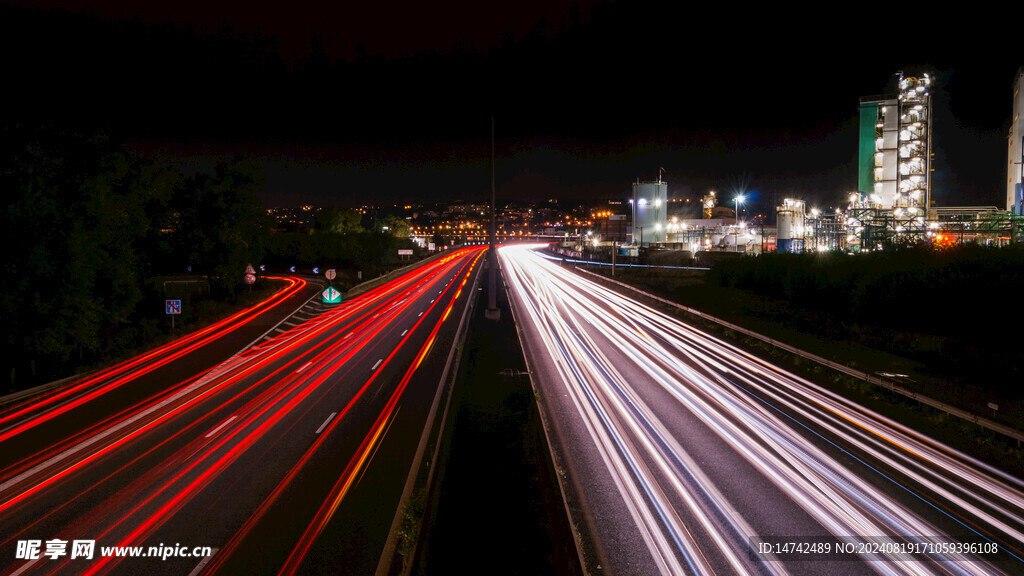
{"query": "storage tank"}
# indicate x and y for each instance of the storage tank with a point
(790, 222)
(650, 205)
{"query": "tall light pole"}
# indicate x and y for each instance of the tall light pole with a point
(738, 200)
(492, 257)
(632, 204)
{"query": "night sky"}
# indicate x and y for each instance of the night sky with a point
(393, 101)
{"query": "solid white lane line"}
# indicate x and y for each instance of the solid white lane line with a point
(217, 429)
(326, 422)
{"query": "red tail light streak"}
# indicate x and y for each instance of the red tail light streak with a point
(206, 429)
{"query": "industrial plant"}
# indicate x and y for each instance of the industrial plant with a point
(893, 203)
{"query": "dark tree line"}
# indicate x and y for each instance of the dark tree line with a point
(957, 309)
(88, 225)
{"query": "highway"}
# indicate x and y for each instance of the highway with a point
(682, 454)
(41, 418)
(288, 458)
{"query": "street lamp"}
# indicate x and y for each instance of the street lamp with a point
(738, 200)
(632, 205)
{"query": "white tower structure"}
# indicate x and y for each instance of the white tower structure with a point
(896, 151)
(1015, 153)
(790, 221)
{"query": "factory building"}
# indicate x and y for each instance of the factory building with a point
(1015, 155)
(650, 207)
(892, 205)
(895, 153)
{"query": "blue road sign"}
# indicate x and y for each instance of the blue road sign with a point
(172, 306)
(292, 269)
(316, 270)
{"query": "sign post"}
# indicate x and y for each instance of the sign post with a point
(172, 308)
(250, 276)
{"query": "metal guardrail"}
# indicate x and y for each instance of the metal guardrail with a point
(374, 282)
(433, 432)
(869, 378)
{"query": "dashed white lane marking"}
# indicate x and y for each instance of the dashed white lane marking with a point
(304, 366)
(405, 332)
(202, 563)
(25, 567)
(377, 364)
(326, 422)
(217, 429)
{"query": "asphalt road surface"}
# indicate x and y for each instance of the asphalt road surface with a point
(682, 454)
(288, 458)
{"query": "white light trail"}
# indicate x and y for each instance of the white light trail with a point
(629, 371)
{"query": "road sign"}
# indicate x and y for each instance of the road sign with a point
(263, 267)
(249, 269)
(250, 278)
(331, 295)
(316, 270)
(172, 306)
(405, 252)
(292, 269)
(331, 274)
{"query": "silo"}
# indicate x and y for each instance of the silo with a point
(790, 223)
(650, 205)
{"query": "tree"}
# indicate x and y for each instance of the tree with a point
(338, 220)
(221, 226)
(396, 226)
(79, 212)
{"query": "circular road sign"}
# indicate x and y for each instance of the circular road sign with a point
(250, 278)
(331, 274)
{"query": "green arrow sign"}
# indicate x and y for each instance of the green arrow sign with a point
(331, 296)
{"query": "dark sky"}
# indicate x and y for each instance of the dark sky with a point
(393, 100)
